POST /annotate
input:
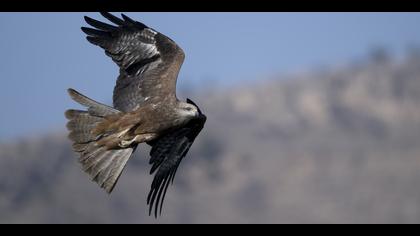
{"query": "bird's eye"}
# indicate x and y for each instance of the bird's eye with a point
(189, 109)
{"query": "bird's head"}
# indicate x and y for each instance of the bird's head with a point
(188, 110)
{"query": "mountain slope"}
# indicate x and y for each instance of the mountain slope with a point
(338, 146)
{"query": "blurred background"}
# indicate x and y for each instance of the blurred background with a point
(312, 118)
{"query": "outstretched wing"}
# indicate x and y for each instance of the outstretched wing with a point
(166, 154)
(149, 61)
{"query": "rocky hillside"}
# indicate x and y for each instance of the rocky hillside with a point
(340, 145)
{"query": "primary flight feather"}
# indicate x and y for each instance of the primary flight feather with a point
(145, 108)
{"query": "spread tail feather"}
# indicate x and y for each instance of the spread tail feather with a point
(94, 107)
(103, 165)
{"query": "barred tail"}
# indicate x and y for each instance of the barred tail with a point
(104, 166)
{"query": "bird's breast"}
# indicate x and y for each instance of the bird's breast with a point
(157, 120)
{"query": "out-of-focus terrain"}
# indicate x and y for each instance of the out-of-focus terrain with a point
(338, 145)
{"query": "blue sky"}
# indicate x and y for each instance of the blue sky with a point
(45, 53)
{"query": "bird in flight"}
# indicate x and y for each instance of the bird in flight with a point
(145, 108)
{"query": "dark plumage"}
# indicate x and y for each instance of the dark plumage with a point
(145, 109)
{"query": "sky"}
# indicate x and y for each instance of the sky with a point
(43, 54)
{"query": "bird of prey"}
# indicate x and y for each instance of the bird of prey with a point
(145, 108)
